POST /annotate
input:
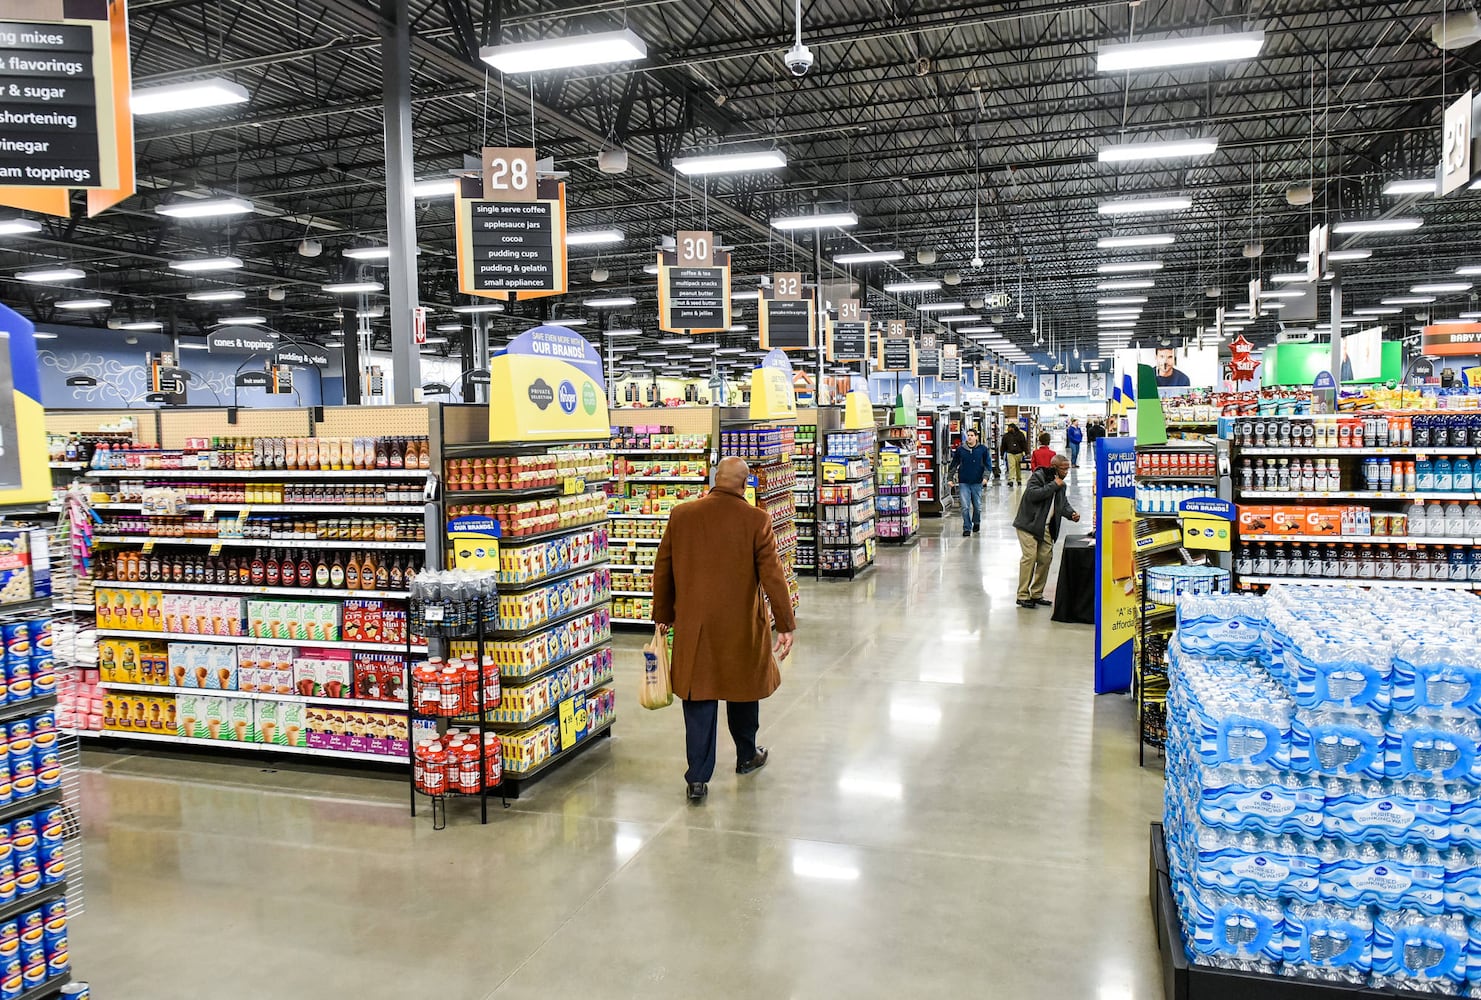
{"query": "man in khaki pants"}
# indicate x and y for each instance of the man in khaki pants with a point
(1044, 503)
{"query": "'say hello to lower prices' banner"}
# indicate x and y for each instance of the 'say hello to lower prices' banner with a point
(1115, 562)
(65, 122)
(547, 386)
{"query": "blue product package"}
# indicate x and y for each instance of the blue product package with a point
(1337, 742)
(18, 680)
(33, 966)
(10, 938)
(1418, 951)
(27, 872)
(51, 824)
(39, 632)
(58, 962)
(1267, 800)
(12, 979)
(48, 768)
(43, 680)
(24, 835)
(54, 914)
(17, 639)
(44, 722)
(1403, 878)
(53, 858)
(1432, 748)
(32, 928)
(1327, 942)
(54, 941)
(1389, 812)
(8, 889)
(1230, 930)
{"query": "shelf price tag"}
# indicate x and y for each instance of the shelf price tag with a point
(573, 719)
(216, 549)
(575, 485)
(208, 513)
(148, 546)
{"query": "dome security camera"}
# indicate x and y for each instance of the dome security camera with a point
(799, 59)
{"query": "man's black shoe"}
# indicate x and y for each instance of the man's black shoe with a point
(756, 763)
(976, 528)
(966, 534)
(1043, 603)
(1028, 604)
(697, 792)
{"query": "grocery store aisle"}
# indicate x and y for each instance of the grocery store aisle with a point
(946, 805)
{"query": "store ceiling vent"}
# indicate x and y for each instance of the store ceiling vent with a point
(1456, 31)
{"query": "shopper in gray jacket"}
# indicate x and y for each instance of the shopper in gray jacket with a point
(1044, 502)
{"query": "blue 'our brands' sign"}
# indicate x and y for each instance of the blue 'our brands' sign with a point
(1208, 506)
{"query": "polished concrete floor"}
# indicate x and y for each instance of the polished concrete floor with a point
(948, 812)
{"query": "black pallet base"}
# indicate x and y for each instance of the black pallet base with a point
(1182, 980)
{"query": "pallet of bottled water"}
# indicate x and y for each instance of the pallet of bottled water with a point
(1323, 801)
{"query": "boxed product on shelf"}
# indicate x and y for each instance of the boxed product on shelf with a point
(380, 677)
(656, 437)
(529, 654)
(305, 620)
(631, 555)
(323, 673)
(265, 669)
(79, 699)
(758, 444)
(527, 749)
(356, 731)
(536, 516)
(16, 584)
(523, 702)
(529, 608)
(601, 707)
(633, 608)
(524, 563)
(210, 666)
(140, 713)
(368, 620)
(134, 661)
(625, 466)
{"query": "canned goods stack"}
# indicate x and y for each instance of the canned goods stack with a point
(30, 670)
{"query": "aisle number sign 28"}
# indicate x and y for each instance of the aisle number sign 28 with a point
(509, 173)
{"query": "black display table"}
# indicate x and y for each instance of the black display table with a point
(1074, 594)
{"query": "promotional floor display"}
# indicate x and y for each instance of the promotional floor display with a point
(846, 509)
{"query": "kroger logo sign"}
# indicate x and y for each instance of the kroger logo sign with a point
(566, 396)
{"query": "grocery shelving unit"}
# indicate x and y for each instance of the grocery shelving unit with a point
(199, 455)
(932, 454)
(639, 500)
(846, 505)
(897, 511)
(805, 495)
(770, 487)
(551, 640)
(1270, 460)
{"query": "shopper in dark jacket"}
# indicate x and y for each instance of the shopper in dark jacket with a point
(1094, 431)
(1073, 436)
(1044, 502)
(969, 463)
(1015, 446)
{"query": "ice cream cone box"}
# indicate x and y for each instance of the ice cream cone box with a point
(221, 668)
(267, 721)
(294, 728)
(111, 717)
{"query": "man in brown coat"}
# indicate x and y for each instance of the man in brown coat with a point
(716, 558)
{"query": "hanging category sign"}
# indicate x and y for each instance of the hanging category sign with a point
(897, 354)
(786, 317)
(25, 476)
(928, 359)
(848, 336)
(1451, 340)
(65, 122)
(694, 285)
(240, 340)
(951, 364)
(511, 229)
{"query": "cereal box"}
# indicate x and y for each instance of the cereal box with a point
(221, 664)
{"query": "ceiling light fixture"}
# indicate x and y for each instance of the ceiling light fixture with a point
(1442, 288)
(1130, 242)
(822, 220)
(449, 327)
(610, 302)
(1418, 186)
(1128, 152)
(744, 296)
(217, 295)
(48, 274)
(1160, 53)
(18, 227)
(352, 287)
(1338, 256)
(974, 330)
(940, 306)
(1287, 279)
(870, 257)
(143, 324)
(1129, 267)
(1397, 225)
(595, 237)
(1125, 284)
(81, 305)
(1130, 206)
(200, 264)
(369, 253)
(963, 318)
(731, 163)
(205, 208)
(913, 286)
(1377, 311)
(241, 321)
(1129, 300)
(190, 96)
(434, 187)
(480, 307)
(595, 49)
(1276, 293)
(1408, 300)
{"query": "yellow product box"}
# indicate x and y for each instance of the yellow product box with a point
(112, 717)
(103, 607)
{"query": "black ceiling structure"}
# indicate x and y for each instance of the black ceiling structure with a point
(915, 114)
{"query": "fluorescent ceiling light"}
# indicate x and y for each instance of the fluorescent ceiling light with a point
(1125, 284)
(731, 163)
(1469, 270)
(622, 333)
(1276, 293)
(370, 253)
(1377, 311)
(1129, 242)
(1129, 206)
(194, 347)
(1450, 322)
(650, 268)
(143, 324)
(1117, 324)
(738, 328)
(1162, 53)
(217, 295)
(730, 350)
(1375, 226)
(869, 257)
(352, 287)
(974, 330)
(241, 321)
(1338, 256)
(1127, 300)
(822, 220)
(963, 318)
(1408, 300)
(1275, 305)
(84, 304)
(482, 307)
(434, 187)
(448, 327)
(744, 296)
(567, 321)
(1442, 288)
(211, 93)
(1419, 186)
(205, 208)
(18, 227)
(436, 340)
(206, 264)
(913, 286)
(1287, 279)
(1129, 151)
(596, 49)
(51, 274)
(673, 342)
(696, 346)
(1129, 267)
(940, 306)
(611, 302)
(595, 237)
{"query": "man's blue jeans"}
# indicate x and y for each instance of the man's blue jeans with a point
(1074, 452)
(971, 496)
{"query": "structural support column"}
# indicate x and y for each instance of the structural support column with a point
(349, 335)
(401, 230)
(1335, 332)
